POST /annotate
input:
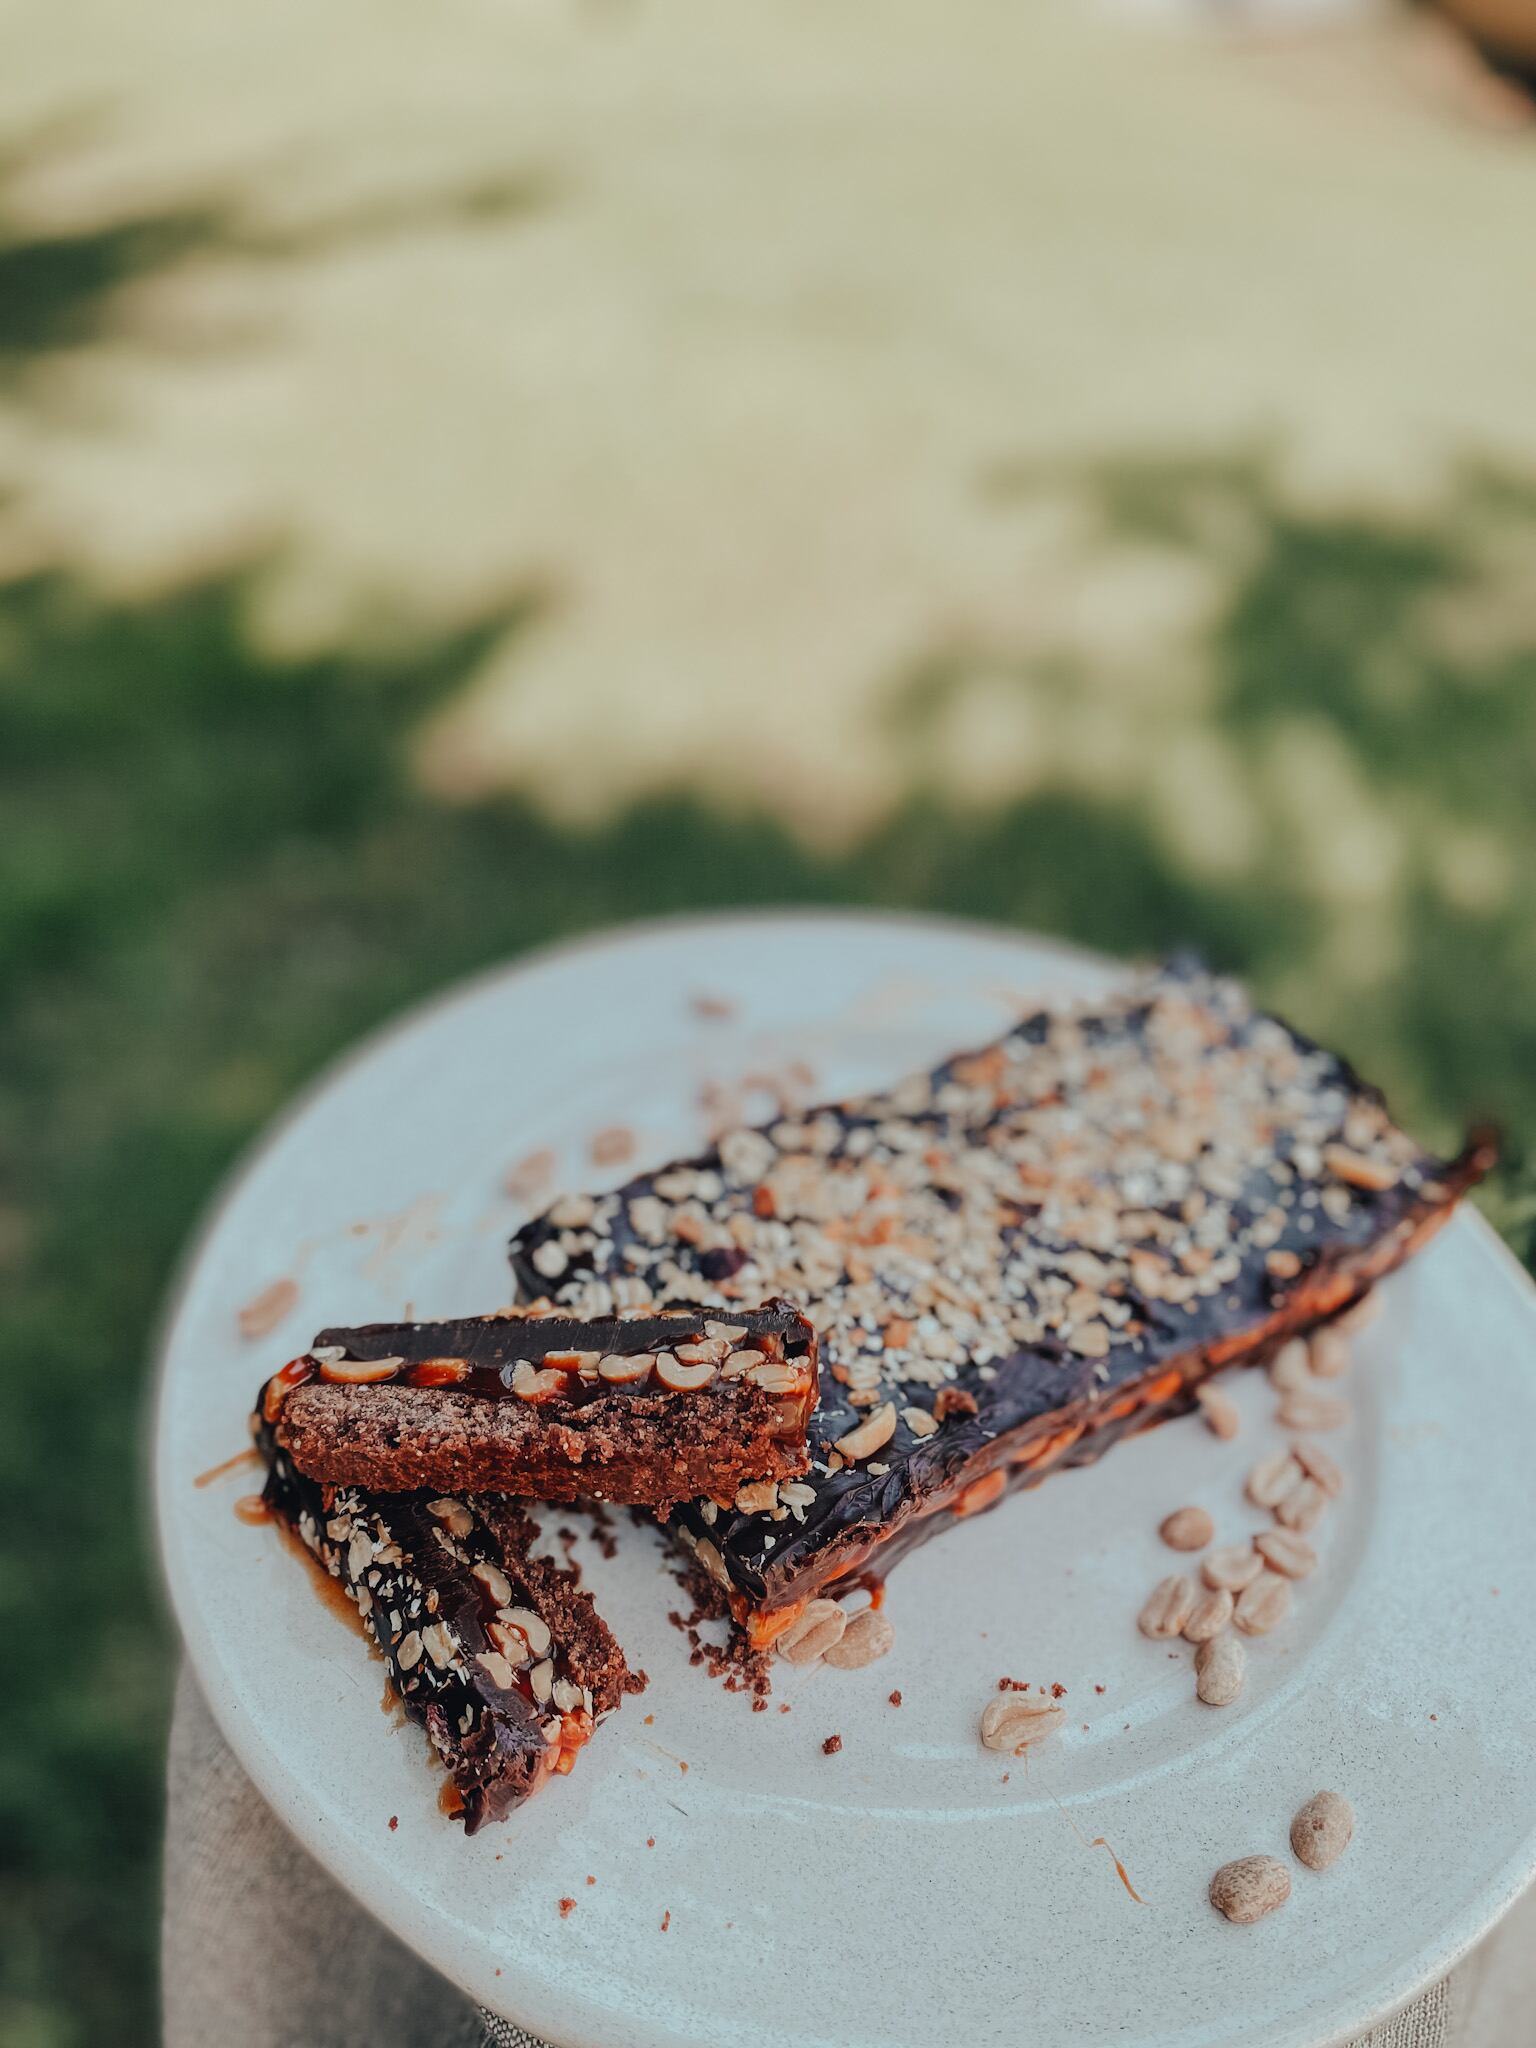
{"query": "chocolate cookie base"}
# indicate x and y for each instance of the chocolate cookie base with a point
(640, 1450)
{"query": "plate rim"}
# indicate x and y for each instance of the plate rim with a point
(254, 1752)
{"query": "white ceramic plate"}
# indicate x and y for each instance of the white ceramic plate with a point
(903, 1891)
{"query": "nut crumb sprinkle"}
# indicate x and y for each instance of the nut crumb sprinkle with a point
(531, 1175)
(261, 1316)
(612, 1145)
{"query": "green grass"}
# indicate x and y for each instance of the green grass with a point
(215, 871)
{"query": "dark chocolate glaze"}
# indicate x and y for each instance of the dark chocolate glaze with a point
(1042, 1388)
(489, 1348)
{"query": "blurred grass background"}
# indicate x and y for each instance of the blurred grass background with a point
(453, 544)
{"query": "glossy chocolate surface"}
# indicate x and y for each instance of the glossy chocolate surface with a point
(1019, 1242)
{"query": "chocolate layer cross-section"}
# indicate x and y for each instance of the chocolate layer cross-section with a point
(494, 1651)
(1015, 1259)
(633, 1406)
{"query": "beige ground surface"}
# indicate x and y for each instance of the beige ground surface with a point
(779, 294)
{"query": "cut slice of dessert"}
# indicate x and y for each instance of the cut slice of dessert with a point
(645, 1407)
(492, 1649)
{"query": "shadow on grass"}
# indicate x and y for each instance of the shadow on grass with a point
(62, 286)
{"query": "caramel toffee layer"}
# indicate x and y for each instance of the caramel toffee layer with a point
(1014, 1259)
(494, 1651)
(636, 1406)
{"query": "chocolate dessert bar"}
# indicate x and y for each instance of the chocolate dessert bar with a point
(633, 1406)
(1014, 1260)
(494, 1651)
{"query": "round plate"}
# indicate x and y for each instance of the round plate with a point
(911, 1888)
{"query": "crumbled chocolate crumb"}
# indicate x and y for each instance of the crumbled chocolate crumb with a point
(394, 1822)
(896, 1699)
(567, 1908)
(612, 1145)
(530, 1176)
(1098, 1688)
(602, 1530)
(738, 1667)
(666, 1920)
(1012, 1685)
(1058, 1691)
(650, 1841)
(261, 1316)
(832, 1745)
(590, 1878)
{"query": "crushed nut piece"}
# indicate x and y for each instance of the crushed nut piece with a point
(871, 1435)
(868, 1636)
(1211, 1613)
(1017, 1721)
(1272, 1479)
(533, 1627)
(812, 1633)
(1322, 1830)
(1359, 1315)
(1221, 1667)
(1249, 1888)
(1317, 1464)
(438, 1644)
(1187, 1529)
(1169, 1606)
(1302, 1508)
(1313, 1411)
(1290, 1555)
(620, 1371)
(261, 1316)
(1329, 1353)
(494, 1580)
(1263, 1605)
(1290, 1370)
(530, 1176)
(1219, 1410)
(1353, 1168)
(496, 1668)
(758, 1498)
